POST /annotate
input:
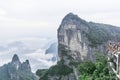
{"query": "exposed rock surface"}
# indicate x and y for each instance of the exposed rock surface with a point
(79, 40)
(84, 38)
(15, 70)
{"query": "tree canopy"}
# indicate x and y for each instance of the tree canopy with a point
(98, 70)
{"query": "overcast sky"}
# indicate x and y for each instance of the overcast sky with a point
(28, 18)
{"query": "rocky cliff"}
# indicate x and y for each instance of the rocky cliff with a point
(83, 38)
(15, 70)
(79, 40)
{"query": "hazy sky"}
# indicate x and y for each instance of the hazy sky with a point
(28, 18)
(31, 20)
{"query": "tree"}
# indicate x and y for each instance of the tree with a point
(95, 71)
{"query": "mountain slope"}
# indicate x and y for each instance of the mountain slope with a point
(16, 70)
(78, 41)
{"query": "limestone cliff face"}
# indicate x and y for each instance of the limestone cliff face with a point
(79, 40)
(83, 39)
(71, 34)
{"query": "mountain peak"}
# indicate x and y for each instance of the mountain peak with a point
(73, 21)
(71, 16)
(27, 61)
(15, 58)
(26, 66)
(16, 70)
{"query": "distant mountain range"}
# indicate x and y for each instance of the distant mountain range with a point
(15, 70)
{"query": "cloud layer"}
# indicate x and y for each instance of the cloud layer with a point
(30, 48)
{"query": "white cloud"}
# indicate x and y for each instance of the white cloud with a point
(2, 12)
(31, 48)
(40, 60)
(39, 54)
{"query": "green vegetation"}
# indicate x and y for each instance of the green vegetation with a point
(88, 70)
(100, 34)
(60, 69)
(94, 39)
(97, 37)
(41, 72)
(65, 52)
(74, 63)
(95, 71)
(57, 70)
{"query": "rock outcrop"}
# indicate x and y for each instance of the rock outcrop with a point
(79, 40)
(15, 70)
(83, 38)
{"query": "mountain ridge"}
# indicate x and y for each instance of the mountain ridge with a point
(15, 70)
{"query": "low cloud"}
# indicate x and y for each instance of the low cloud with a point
(31, 48)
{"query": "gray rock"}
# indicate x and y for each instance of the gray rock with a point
(83, 39)
(79, 40)
(16, 70)
(26, 66)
